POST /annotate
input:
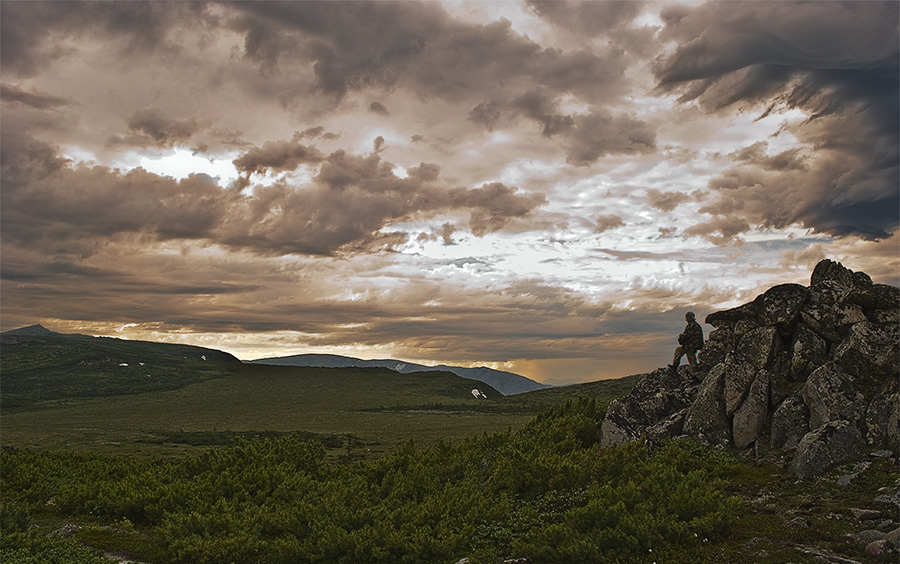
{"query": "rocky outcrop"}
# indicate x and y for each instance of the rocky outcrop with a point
(814, 369)
(655, 407)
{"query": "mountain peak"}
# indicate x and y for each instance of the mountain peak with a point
(31, 331)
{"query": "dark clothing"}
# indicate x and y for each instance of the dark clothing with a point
(690, 341)
(692, 337)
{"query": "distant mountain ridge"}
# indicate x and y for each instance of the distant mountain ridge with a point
(507, 383)
(88, 348)
(31, 331)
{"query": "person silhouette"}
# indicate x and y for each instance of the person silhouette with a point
(689, 342)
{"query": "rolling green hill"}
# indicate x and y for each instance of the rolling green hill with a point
(40, 366)
(101, 394)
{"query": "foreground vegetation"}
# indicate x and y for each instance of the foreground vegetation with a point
(546, 492)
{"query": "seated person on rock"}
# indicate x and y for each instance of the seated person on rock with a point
(690, 341)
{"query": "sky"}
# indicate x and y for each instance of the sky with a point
(539, 187)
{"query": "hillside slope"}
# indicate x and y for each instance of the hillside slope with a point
(39, 365)
(507, 383)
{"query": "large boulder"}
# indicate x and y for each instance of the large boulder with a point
(790, 422)
(655, 397)
(717, 345)
(706, 416)
(883, 419)
(738, 377)
(870, 350)
(824, 448)
(831, 395)
(880, 302)
(828, 270)
(750, 417)
(808, 352)
(780, 305)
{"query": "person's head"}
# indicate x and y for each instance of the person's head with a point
(689, 316)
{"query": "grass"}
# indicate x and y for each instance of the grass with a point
(380, 408)
(73, 392)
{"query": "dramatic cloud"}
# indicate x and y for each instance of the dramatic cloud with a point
(839, 63)
(539, 186)
(163, 131)
(10, 93)
(278, 156)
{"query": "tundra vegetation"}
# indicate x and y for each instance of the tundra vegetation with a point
(186, 455)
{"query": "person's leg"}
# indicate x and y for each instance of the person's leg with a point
(692, 359)
(679, 352)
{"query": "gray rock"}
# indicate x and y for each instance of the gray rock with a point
(828, 270)
(866, 515)
(880, 302)
(831, 395)
(846, 479)
(880, 547)
(706, 416)
(808, 352)
(750, 417)
(66, 529)
(780, 305)
(824, 448)
(831, 320)
(893, 537)
(799, 522)
(887, 499)
(880, 433)
(893, 425)
(737, 380)
(671, 426)
(789, 423)
(757, 348)
(870, 350)
(826, 557)
(867, 536)
(655, 397)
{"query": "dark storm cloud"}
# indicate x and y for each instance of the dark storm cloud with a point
(278, 156)
(378, 108)
(36, 34)
(37, 100)
(387, 45)
(153, 124)
(602, 133)
(48, 203)
(838, 62)
(54, 205)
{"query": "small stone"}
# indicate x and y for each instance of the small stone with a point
(868, 536)
(889, 500)
(893, 537)
(865, 514)
(879, 547)
(885, 524)
(66, 529)
(882, 454)
(799, 522)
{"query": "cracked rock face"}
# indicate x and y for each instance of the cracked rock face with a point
(813, 369)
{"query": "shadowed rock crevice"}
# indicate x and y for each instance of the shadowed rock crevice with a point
(812, 369)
